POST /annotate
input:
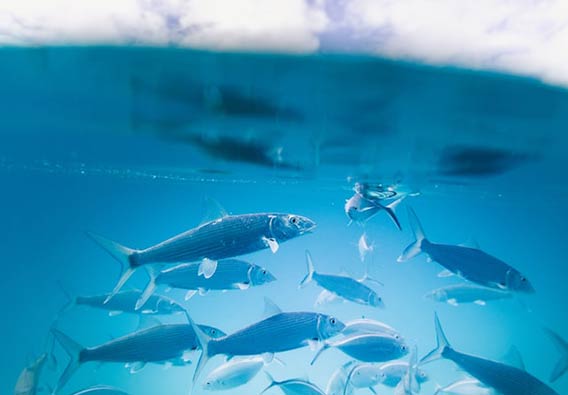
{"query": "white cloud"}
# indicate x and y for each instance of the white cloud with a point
(522, 36)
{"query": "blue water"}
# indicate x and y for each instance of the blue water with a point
(95, 139)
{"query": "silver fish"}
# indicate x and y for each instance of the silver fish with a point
(234, 373)
(467, 293)
(28, 381)
(363, 375)
(100, 390)
(279, 332)
(360, 210)
(366, 325)
(464, 387)
(392, 372)
(293, 386)
(504, 379)
(226, 237)
(368, 347)
(343, 286)
(159, 344)
(562, 365)
(470, 263)
(230, 274)
(336, 384)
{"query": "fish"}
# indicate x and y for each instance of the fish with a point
(374, 192)
(360, 210)
(366, 325)
(226, 237)
(230, 274)
(343, 286)
(504, 379)
(363, 375)
(293, 386)
(28, 381)
(280, 331)
(234, 373)
(467, 293)
(100, 390)
(409, 385)
(469, 263)
(367, 347)
(464, 387)
(125, 302)
(364, 247)
(167, 343)
(562, 365)
(336, 384)
(392, 372)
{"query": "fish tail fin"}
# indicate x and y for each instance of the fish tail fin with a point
(123, 255)
(310, 264)
(271, 380)
(415, 248)
(320, 351)
(348, 379)
(562, 365)
(442, 344)
(153, 272)
(203, 342)
(73, 349)
(390, 209)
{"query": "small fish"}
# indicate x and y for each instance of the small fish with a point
(504, 379)
(464, 387)
(469, 263)
(409, 384)
(392, 372)
(343, 286)
(100, 390)
(336, 384)
(230, 274)
(293, 386)
(281, 331)
(371, 191)
(363, 375)
(28, 381)
(226, 237)
(360, 210)
(364, 247)
(158, 344)
(368, 347)
(234, 373)
(562, 365)
(125, 302)
(467, 293)
(365, 325)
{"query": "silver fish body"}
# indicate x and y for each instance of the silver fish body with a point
(233, 374)
(125, 302)
(392, 372)
(467, 293)
(365, 325)
(360, 210)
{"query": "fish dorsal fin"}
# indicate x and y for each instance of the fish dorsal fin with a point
(212, 210)
(445, 273)
(270, 308)
(146, 321)
(513, 357)
(470, 243)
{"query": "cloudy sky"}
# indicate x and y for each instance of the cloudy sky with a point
(528, 37)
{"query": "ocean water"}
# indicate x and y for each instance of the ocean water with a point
(130, 142)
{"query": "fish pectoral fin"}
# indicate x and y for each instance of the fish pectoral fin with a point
(114, 313)
(243, 286)
(271, 243)
(453, 302)
(429, 259)
(480, 302)
(445, 273)
(207, 268)
(135, 367)
(186, 356)
(189, 294)
(313, 344)
(168, 364)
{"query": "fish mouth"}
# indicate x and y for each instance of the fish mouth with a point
(309, 225)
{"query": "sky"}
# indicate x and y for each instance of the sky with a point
(525, 37)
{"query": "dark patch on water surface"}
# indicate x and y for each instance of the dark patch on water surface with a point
(478, 161)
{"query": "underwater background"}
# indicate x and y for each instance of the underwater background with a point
(128, 142)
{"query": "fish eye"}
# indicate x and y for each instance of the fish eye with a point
(523, 279)
(333, 321)
(294, 220)
(263, 271)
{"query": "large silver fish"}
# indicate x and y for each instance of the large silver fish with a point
(168, 343)
(226, 237)
(368, 347)
(343, 286)
(467, 293)
(230, 274)
(281, 331)
(470, 263)
(505, 379)
(28, 381)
